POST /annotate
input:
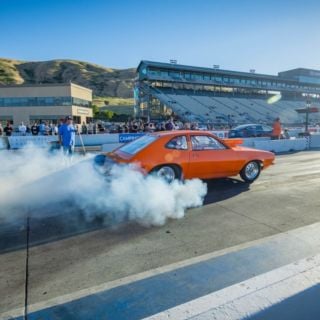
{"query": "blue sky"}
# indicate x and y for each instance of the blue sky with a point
(268, 36)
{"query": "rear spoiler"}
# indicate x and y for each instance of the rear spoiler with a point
(233, 142)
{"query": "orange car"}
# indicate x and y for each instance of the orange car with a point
(189, 154)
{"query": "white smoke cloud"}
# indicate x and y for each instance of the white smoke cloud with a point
(37, 183)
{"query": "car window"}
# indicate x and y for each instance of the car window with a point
(137, 145)
(248, 128)
(179, 143)
(205, 143)
(266, 128)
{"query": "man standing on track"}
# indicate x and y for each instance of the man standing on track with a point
(276, 129)
(67, 136)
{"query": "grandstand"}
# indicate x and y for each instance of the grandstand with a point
(224, 97)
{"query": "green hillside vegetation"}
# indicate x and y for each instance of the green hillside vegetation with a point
(112, 101)
(105, 82)
(112, 113)
(127, 110)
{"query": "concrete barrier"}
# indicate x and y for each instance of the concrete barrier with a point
(284, 145)
(18, 142)
(109, 142)
(3, 143)
(108, 147)
(249, 142)
(97, 139)
(314, 141)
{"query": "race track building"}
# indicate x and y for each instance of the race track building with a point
(45, 102)
(222, 96)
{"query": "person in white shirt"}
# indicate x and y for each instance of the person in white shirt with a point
(22, 129)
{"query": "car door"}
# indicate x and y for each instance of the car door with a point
(209, 158)
(259, 131)
(252, 131)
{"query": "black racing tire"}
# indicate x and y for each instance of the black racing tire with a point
(98, 163)
(102, 164)
(168, 172)
(251, 171)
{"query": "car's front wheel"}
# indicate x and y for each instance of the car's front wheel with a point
(168, 173)
(251, 171)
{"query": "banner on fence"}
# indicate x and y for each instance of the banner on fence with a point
(127, 137)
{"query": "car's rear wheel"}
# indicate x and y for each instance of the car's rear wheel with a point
(168, 173)
(102, 164)
(251, 171)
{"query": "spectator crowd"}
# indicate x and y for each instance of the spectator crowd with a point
(133, 126)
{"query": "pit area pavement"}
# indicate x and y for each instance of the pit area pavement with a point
(66, 263)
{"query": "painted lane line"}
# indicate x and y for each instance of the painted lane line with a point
(300, 233)
(250, 296)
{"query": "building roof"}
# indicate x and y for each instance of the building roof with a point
(207, 70)
(301, 69)
(34, 85)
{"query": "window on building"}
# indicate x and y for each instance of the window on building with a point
(174, 74)
(77, 119)
(40, 101)
(80, 102)
(206, 77)
(164, 73)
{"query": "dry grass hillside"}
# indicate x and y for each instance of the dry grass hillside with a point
(105, 82)
(9, 73)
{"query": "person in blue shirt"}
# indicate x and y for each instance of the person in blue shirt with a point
(42, 128)
(67, 136)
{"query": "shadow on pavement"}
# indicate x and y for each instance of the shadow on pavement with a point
(304, 305)
(222, 189)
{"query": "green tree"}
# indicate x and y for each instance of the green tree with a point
(95, 109)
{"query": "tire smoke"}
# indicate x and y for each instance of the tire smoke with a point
(36, 183)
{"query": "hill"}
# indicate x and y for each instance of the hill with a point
(105, 82)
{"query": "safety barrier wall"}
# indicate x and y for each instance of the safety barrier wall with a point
(18, 142)
(3, 143)
(284, 145)
(108, 147)
(249, 142)
(315, 141)
(112, 141)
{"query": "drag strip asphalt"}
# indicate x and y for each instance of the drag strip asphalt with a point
(68, 254)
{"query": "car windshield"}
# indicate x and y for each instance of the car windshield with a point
(137, 145)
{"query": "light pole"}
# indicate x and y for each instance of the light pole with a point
(307, 115)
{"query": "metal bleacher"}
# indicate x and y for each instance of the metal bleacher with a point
(202, 107)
